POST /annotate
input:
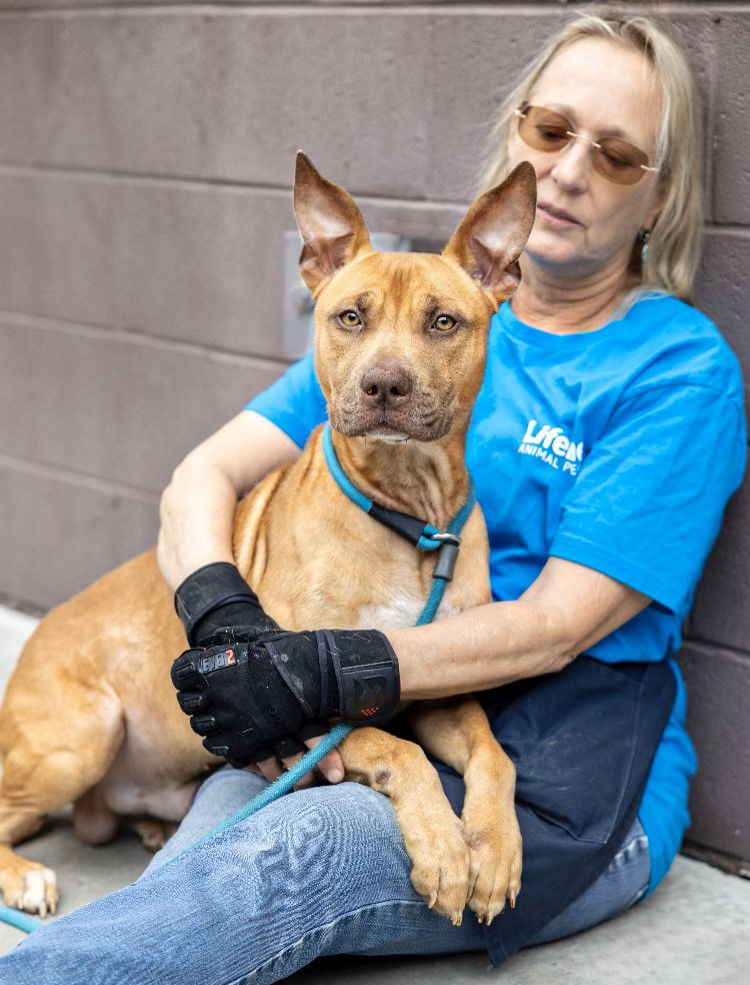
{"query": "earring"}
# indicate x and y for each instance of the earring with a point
(645, 236)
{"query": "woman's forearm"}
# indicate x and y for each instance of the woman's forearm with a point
(481, 648)
(197, 507)
(566, 610)
(196, 512)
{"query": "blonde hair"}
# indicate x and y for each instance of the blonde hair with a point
(673, 254)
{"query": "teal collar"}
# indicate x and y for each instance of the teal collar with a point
(416, 531)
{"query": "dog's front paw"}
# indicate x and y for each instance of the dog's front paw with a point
(28, 886)
(435, 842)
(495, 860)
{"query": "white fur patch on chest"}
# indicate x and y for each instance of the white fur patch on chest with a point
(401, 612)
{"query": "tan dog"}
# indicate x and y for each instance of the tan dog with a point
(400, 349)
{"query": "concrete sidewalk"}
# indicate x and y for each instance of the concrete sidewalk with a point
(694, 930)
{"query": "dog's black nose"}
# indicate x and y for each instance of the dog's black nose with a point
(386, 384)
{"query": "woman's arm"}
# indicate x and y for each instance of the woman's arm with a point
(197, 513)
(197, 507)
(566, 610)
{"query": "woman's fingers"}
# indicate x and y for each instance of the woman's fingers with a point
(331, 765)
(307, 779)
(270, 768)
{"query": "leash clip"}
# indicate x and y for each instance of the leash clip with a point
(447, 555)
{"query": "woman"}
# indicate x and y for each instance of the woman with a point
(604, 395)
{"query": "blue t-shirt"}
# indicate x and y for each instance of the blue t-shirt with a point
(616, 449)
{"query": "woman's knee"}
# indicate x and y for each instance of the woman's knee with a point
(344, 835)
(222, 794)
(339, 819)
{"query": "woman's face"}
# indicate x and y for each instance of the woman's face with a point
(604, 89)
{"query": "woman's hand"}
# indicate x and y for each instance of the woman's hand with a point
(331, 766)
(247, 698)
(216, 600)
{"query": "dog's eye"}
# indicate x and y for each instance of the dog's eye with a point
(350, 319)
(444, 323)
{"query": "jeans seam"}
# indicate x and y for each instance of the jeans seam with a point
(246, 978)
(640, 840)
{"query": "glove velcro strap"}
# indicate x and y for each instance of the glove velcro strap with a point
(367, 675)
(206, 589)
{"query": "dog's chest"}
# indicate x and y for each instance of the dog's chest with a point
(403, 610)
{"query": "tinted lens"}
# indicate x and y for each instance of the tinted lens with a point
(616, 159)
(619, 161)
(544, 130)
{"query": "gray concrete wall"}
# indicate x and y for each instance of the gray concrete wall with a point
(146, 155)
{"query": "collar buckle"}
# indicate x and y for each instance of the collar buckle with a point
(446, 538)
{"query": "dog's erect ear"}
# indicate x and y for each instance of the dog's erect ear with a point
(331, 225)
(494, 231)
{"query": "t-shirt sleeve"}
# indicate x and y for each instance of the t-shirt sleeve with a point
(647, 504)
(295, 402)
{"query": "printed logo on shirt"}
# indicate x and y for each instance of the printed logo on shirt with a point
(553, 446)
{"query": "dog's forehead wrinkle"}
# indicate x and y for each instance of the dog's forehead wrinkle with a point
(395, 273)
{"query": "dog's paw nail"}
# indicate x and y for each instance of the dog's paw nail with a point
(457, 918)
(432, 901)
(480, 917)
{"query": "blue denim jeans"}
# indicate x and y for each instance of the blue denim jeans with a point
(319, 872)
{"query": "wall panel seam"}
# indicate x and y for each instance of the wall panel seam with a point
(728, 228)
(712, 89)
(285, 7)
(194, 183)
(121, 176)
(720, 649)
(73, 477)
(530, 8)
(142, 339)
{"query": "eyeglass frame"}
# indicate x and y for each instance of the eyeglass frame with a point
(519, 114)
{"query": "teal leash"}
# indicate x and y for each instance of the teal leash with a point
(423, 535)
(21, 921)
(281, 785)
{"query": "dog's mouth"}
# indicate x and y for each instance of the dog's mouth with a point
(393, 428)
(385, 431)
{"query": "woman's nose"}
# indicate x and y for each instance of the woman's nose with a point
(571, 170)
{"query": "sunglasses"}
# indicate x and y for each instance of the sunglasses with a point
(615, 159)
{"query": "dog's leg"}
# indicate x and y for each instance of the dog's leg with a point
(154, 834)
(433, 835)
(43, 770)
(457, 733)
(93, 820)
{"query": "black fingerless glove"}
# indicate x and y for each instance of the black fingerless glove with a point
(216, 597)
(244, 696)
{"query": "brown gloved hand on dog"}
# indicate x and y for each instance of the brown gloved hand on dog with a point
(254, 690)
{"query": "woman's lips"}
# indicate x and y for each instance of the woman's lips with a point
(556, 217)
